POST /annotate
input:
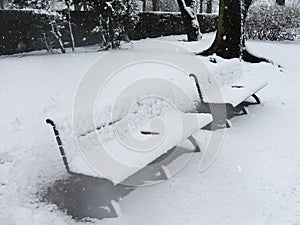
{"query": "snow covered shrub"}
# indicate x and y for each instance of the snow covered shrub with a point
(28, 4)
(275, 23)
(117, 18)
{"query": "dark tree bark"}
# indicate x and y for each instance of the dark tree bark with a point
(144, 5)
(209, 6)
(111, 31)
(1, 4)
(189, 16)
(201, 6)
(230, 40)
(280, 2)
(155, 5)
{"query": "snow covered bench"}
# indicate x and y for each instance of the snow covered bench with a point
(153, 79)
(116, 149)
(116, 161)
(226, 85)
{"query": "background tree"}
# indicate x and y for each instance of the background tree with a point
(201, 6)
(116, 19)
(280, 2)
(209, 6)
(144, 5)
(190, 20)
(230, 39)
(155, 5)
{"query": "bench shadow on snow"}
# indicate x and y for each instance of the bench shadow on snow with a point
(83, 197)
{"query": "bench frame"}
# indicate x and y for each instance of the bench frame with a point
(218, 120)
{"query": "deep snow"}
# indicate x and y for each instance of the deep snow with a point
(254, 180)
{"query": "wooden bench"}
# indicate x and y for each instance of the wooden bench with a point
(104, 165)
(116, 162)
(225, 90)
(119, 157)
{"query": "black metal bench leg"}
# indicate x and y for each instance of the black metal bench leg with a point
(245, 111)
(228, 123)
(256, 98)
(60, 145)
(194, 142)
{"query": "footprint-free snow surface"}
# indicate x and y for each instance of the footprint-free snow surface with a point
(254, 180)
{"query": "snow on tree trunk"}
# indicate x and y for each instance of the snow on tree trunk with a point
(189, 16)
(68, 14)
(71, 33)
(56, 33)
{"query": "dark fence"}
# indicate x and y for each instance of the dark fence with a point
(23, 31)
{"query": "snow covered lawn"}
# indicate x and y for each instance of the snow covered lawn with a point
(254, 180)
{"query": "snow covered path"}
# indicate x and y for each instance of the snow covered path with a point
(254, 180)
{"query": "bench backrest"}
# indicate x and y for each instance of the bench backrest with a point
(219, 76)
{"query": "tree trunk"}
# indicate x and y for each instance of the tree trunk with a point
(111, 31)
(201, 6)
(144, 5)
(56, 33)
(280, 2)
(155, 5)
(230, 40)
(1, 4)
(190, 20)
(209, 6)
(67, 12)
(71, 31)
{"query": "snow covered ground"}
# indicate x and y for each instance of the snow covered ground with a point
(254, 180)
